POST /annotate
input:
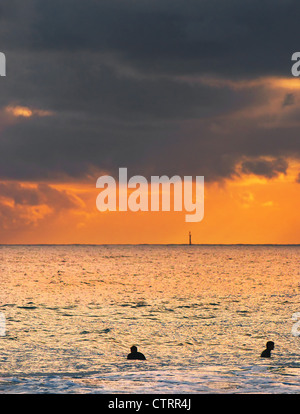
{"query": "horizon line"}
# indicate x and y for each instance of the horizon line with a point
(149, 244)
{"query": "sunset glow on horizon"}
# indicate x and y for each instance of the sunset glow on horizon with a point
(244, 210)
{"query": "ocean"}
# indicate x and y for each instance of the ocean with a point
(201, 315)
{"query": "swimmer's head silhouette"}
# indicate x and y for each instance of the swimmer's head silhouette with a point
(267, 352)
(135, 354)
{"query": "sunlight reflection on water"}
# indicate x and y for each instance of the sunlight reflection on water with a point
(200, 314)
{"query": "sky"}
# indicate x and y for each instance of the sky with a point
(197, 88)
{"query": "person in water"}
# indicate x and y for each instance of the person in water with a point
(267, 352)
(134, 354)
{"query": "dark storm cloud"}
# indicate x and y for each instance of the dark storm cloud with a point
(234, 38)
(120, 78)
(41, 194)
(22, 207)
(265, 168)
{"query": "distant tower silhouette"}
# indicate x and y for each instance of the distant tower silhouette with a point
(190, 237)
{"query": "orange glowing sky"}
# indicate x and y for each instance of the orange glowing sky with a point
(244, 209)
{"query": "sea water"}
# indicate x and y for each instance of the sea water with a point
(200, 314)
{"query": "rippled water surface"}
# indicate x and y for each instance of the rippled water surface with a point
(200, 314)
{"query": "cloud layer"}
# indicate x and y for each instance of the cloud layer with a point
(156, 86)
(25, 206)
